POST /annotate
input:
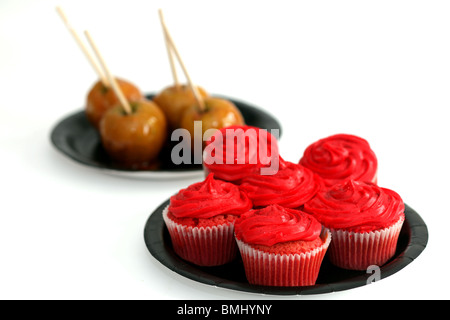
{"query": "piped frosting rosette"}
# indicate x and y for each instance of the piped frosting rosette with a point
(200, 220)
(209, 198)
(234, 152)
(365, 221)
(281, 246)
(290, 187)
(341, 157)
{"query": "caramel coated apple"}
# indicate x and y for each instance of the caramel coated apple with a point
(217, 114)
(174, 100)
(135, 139)
(101, 98)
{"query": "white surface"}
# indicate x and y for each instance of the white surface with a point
(378, 69)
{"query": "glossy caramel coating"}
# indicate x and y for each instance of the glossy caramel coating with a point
(219, 113)
(100, 99)
(134, 139)
(173, 101)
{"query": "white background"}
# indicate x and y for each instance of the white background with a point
(377, 69)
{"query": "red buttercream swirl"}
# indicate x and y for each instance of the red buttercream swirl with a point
(209, 198)
(275, 224)
(290, 187)
(341, 157)
(236, 151)
(356, 206)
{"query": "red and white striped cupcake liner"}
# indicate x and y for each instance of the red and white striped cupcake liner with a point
(358, 251)
(287, 270)
(203, 246)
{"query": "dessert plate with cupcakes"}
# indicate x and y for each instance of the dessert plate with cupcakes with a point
(318, 225)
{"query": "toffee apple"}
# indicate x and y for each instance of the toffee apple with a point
(101, 98)
(217, 113)
(174, 100)
(134, 139)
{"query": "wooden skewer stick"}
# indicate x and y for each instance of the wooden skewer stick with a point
(169, 53)
(194, 89)
(123, 101)
(83, 48)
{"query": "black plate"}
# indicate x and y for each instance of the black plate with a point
(412, 241)
(76, 138)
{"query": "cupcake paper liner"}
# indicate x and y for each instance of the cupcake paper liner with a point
(358, 251)
(203, 246)
(286, 270)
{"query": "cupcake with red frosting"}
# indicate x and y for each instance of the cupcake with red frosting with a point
(234, 152)
(291, 187)
(201, 218)
(281, 246)
(365, 221)
(341, 157)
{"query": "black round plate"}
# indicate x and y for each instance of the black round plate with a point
(412, 241)
(76, 138)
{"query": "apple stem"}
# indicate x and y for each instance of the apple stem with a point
(174, 49)
(123, 101)
(83, 48)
